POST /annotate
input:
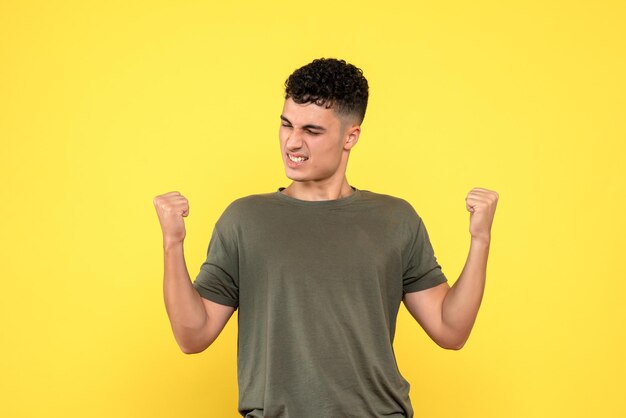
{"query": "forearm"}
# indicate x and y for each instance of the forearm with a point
(183, 304)
(461, 304)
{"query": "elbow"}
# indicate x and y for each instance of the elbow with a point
(187, 350)
(192, 347)
(452, 343)
(452, 338)
(192, 350)
(191, 341)
(455, 347)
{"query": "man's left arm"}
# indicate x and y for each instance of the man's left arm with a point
(446, 313)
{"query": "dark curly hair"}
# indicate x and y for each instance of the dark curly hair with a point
(332, 83)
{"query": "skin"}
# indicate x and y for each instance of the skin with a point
(325, 139)
(447, 314)
(196, 322)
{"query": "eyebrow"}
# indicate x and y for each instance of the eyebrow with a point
(309, 126)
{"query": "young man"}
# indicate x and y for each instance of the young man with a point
(318, 270)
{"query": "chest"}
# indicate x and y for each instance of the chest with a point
(334, 251)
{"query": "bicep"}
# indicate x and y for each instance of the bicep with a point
(218, 315)
(426, 307)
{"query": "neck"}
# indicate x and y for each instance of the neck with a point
(316, 191)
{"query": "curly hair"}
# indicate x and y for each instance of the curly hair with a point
(332, 83)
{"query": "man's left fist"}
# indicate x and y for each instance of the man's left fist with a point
(481, 203)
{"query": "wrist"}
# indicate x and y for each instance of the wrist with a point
(484, 241)
(169, 245)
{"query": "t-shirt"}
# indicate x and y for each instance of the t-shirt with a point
(318, 285)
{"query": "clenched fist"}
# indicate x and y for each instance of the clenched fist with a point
(481, 203)
(171, 207)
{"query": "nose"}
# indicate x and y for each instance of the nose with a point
(294, 140)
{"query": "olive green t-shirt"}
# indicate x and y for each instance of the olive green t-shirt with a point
(318, 285)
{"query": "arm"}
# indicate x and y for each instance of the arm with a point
(446, 313)
(196, 322)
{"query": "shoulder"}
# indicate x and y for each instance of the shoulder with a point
(393, 205)
(251, 201)
(246, 207)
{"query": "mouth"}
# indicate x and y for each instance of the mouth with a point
(295, 160)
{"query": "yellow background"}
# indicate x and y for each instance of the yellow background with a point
(104, 105)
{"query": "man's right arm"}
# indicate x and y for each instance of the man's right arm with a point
(196, 322)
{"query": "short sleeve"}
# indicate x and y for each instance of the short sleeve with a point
(422, 270)
(218, 279)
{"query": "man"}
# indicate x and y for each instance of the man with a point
(318, 269)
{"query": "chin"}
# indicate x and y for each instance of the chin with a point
(296, 177)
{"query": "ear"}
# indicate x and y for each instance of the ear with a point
(351, 136)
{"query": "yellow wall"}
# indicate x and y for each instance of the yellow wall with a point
(104, 105)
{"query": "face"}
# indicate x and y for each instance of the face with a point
(315, 142)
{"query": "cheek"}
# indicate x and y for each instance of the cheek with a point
(282, 137)
(331, 156)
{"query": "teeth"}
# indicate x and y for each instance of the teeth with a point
(297, 159)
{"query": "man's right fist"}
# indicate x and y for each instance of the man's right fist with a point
(171, 207)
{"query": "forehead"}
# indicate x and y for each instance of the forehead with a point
(308, 113)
